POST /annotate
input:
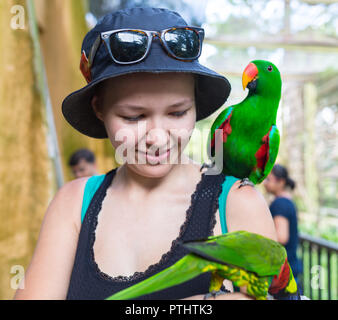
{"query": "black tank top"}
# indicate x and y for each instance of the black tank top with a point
(89, 282)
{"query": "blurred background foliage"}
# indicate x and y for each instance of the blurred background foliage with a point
(299, 36)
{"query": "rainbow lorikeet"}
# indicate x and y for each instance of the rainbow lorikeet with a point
(245, 258)
(248, 133)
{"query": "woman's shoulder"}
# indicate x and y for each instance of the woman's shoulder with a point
(282, 206)
(283, 202)
(67, 201)
(72, 189)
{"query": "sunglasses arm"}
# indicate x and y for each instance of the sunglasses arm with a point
(94, 49)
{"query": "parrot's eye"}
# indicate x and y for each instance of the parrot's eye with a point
(269, 68)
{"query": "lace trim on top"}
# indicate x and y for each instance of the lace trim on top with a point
(165, 256)
(214, 208)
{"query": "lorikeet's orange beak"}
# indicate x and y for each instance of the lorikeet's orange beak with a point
(250, 73)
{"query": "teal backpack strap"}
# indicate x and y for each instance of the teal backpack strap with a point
(226, 186)
(93, 183)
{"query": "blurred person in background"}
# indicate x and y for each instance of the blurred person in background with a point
(83, 163)
(284, 213)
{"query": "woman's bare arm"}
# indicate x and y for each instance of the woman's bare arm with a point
(246, 209)
(282, 229)
(49, 272)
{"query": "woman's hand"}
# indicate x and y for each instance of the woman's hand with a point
(226, 296)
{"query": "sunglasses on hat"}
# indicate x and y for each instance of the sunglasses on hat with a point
(127, 46)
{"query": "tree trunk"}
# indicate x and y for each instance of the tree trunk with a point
(25, 167)
(310, 166)
(62, 28)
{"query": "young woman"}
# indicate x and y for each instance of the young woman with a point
(106, 233)
(284, 213)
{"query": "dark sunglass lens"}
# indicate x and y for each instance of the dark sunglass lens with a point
(128, 46)
(184, 43)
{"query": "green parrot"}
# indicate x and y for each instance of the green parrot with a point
(248, 133)
(245, 258)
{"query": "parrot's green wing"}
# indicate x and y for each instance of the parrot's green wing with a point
(183, 270)
(243, 249)
(273, 149)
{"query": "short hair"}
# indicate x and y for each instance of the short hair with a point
(80, 154)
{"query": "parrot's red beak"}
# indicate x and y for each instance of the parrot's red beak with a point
(250, 73)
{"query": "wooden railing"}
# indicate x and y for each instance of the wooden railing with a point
(320, 271)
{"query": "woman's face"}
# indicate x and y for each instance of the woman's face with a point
(273, 185)
(149, 118)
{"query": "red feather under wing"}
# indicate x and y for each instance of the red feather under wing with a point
(262, 155)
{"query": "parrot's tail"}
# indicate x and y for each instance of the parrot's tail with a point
(284, 282)
(183, 270)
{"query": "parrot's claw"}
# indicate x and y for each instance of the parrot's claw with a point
(205, 165)
(214, 294)
(246, 182)
(269, 297)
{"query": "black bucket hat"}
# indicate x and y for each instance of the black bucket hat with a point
(211, 89)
